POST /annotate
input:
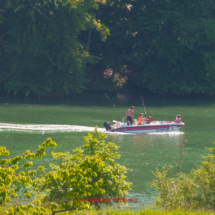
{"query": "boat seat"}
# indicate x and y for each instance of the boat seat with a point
(135, 121)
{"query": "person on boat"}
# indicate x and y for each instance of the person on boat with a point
(178, 119)
(130, 115)
(141, 119)
(150, 119)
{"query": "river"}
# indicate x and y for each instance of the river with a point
(26, 123)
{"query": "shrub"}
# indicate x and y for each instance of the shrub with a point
(91, 171)
(14, 183)
(195, 190)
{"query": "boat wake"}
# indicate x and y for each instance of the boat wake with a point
(51, 128)
(46, 128)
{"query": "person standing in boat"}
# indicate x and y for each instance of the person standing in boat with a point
(130, 115)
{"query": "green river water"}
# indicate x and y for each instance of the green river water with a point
(141, 153)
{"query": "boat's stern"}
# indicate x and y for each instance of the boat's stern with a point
(107, 126)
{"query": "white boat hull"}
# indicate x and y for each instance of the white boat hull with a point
(156, 126)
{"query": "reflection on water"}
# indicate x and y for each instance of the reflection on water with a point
(142, 154)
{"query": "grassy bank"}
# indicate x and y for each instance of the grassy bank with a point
(130, 212)
(145, 212)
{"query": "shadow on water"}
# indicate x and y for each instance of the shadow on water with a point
(120, 99)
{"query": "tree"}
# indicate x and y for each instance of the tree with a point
(14, 184)
(172, 46)
(40, 50)
(112, 53)
(90, 172)
(161, 46)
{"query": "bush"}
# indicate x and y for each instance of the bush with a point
(14, 184)
(91, 171)
(195, 190)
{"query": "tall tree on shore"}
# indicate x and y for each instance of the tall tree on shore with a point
(40, 50)
(47, 47)
(168, 46)
(111, 52)
(173, 46)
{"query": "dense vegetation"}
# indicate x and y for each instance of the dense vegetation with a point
(57, 47)
(192, 191)
(40, 52)
(88, 173)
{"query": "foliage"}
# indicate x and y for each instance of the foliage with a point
(14, 184)
(90, 172)
(165, 46)
(39, 48)
(170, 48)
(112, 53)
(57, 47)
(195, 190)
(142, 211)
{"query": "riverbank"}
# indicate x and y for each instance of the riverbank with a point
(143, 212)
(129, 212)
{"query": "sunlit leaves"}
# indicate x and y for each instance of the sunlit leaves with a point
(53, 205)
(27, 194)
(27, 165)
(32, 172)
(40, 168)
(12, 182)
(4, 151)
(191, 191)
(23, 209)
(88, 172)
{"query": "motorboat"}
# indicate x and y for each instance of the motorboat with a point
(149, 127)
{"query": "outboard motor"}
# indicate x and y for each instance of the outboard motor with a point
(107, 126)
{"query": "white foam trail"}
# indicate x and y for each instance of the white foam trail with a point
(46, 127)
(65, 128)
